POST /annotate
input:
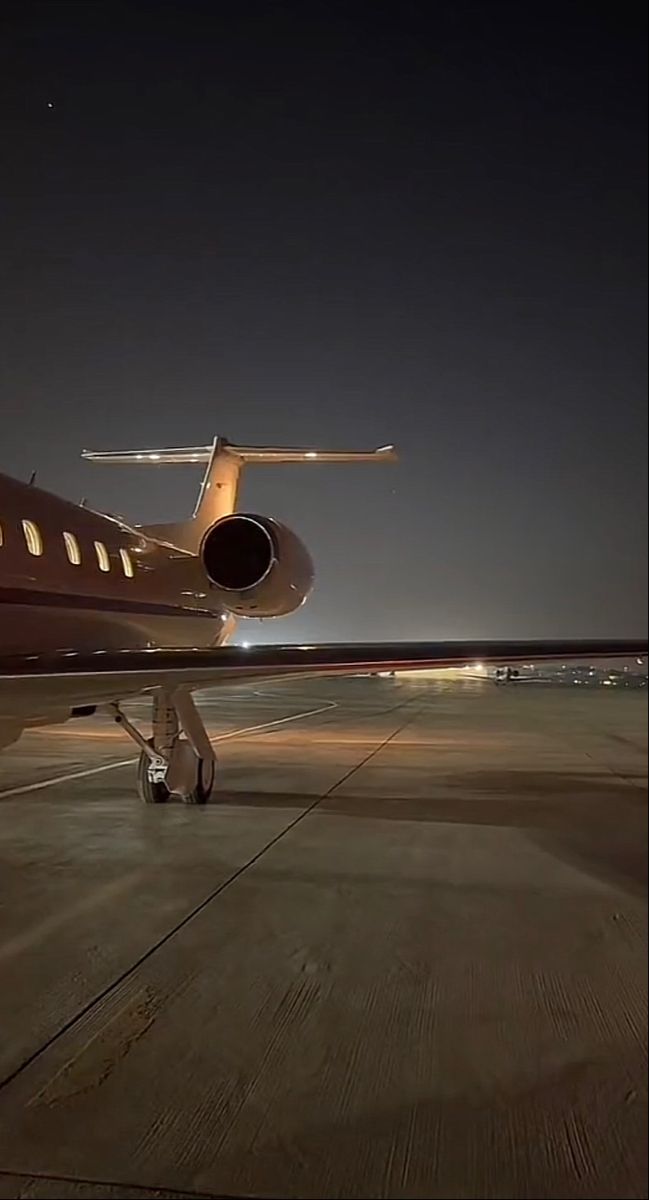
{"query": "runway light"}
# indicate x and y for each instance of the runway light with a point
(311, 454)
(154, 456)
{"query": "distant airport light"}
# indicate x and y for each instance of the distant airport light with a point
(311, 454)
(245, 645)
(154, 456)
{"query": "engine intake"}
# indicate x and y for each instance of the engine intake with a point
(259, 567)
(238, 553)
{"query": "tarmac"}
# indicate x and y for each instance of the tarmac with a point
(401, 954)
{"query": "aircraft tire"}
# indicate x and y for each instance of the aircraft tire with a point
(204, 782)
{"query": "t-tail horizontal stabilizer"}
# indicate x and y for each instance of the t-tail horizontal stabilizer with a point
(220, 486)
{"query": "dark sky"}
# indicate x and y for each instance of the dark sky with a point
(342, 226)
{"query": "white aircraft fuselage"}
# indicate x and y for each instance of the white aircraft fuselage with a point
(51, 602)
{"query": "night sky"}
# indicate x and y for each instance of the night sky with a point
(342, 226)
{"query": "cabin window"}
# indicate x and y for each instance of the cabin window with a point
(102, 556)
(72, 549)
(33, 539)
(127, 565)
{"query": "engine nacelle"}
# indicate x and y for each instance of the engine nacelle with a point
(258, 567)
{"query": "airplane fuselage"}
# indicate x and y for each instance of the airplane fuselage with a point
(71, 578)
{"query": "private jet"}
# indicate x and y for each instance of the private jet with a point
(95, 611)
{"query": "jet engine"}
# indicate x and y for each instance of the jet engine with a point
(258, 567)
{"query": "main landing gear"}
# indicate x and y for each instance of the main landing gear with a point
(172, 764)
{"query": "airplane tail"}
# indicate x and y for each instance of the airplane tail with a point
(220, 487)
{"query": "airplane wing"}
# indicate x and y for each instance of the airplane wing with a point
(45, 683)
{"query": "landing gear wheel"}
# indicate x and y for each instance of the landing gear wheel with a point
(204, 782)
(150, 790)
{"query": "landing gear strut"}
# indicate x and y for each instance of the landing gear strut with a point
(169, 763)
